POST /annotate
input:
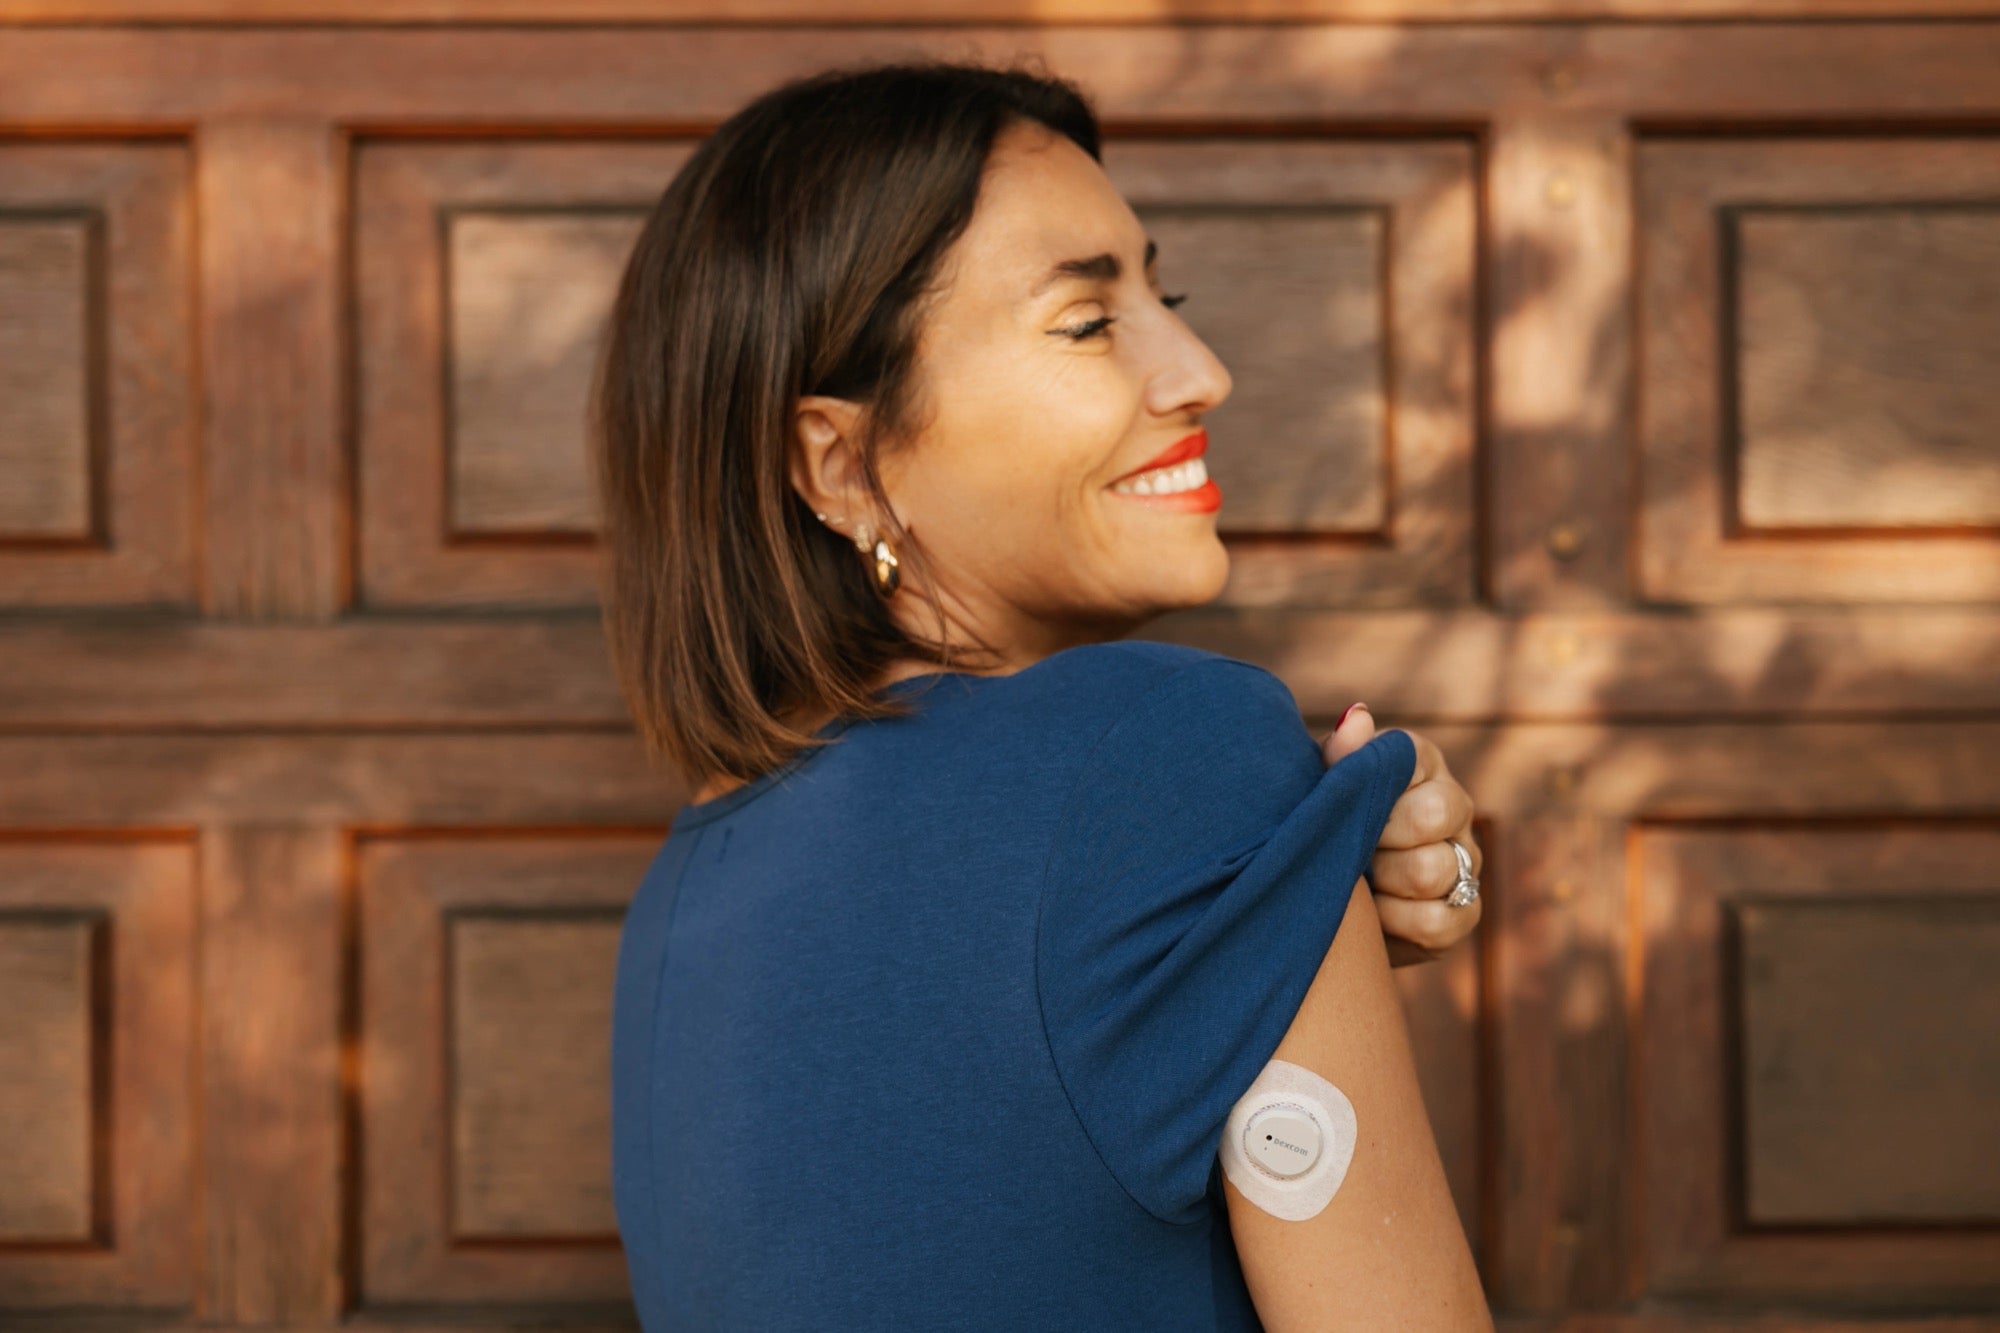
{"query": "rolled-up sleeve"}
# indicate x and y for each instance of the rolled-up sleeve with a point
(1199, 873)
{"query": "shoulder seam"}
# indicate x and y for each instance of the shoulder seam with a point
(1063, 815)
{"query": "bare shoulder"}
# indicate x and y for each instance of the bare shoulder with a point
(1388, 1251)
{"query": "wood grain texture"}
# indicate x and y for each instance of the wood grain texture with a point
(1685, 881)
(1864, 351)
(530, 1067)
(49, 977)
(137, 1041)
(519, 353)
(1692, 544)
(1415, 667)
(1335, 279)
(1559, 269)
(561, 779)
(1863, 1022)
(437, 526)
(50, 380)
(97, 394)
(670, 80)
(273, 1158)
(275, 493)
(438, 1081)
(365, 758)
(1562, 1217)
(1445, 1005)
(982, 11)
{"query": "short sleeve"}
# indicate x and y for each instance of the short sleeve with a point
(1195, 882)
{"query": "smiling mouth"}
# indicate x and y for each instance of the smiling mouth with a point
(1174, 479)
(1177, 479)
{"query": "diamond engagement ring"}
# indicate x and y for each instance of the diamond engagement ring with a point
(1466, 891)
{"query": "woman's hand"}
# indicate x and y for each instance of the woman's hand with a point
(1414, 868)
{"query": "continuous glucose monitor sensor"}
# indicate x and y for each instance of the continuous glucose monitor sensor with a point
(1289, 1141)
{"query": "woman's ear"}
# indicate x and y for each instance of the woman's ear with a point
(825, 460)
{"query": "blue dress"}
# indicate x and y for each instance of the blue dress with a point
(938, 1027)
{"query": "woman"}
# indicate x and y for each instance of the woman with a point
(932, 1009)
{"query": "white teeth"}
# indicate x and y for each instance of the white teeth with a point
(1189, 476)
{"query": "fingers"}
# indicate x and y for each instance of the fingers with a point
(1430, 811)
(1402, 953)
(1427, 924)
(1428, 871)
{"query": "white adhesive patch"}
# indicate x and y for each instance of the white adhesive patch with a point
(1303, 1129)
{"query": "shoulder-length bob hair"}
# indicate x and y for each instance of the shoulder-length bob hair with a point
(794, 253)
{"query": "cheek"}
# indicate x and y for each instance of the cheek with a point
(1027, 451)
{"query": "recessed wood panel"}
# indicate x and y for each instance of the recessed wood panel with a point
(522, 349)
(1786, 1073)
(530, 1068)
(47, 376)
(97, 1095)
(475, 486)
(1870, 1039)
(485, 973)
(1817, 402)
(1293, 300)
(1866, 341)
(97, 479)
(1335, 280)
(47, 1045)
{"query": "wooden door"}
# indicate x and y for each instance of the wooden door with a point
(1615, 404)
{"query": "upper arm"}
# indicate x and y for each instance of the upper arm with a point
(1388, 1250)
(1192, 888)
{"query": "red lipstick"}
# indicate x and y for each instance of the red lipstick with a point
(1180, 451)
(1203, 499)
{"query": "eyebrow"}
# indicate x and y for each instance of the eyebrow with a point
(1097, 268)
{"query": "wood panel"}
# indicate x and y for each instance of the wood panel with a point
(1337, 278)
(48, 376)
(475, 484)
(1722, 1112)
(1866, 1021)
(97, 489)
(49, 969)
(1863, 396)
(485, 1065)
(1816, 322)
(99, 1168)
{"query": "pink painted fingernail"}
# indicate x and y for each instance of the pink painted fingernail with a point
(1350, 708)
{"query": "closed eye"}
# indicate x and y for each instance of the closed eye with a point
(1091, 328)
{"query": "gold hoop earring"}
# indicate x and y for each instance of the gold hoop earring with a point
(888, 576)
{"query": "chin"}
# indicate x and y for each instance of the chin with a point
(1200, 581)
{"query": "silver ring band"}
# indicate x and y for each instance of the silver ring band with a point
(1465, 891)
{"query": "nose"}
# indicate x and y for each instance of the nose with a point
(1190, 379)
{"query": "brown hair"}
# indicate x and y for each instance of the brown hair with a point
(794, 253)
